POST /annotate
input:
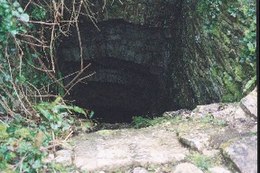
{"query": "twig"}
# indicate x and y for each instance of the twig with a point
(78, 82)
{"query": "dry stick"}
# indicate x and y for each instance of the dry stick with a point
(21, 163)
(20, 55)
(58, 143)
(80, 47)
(53, 139)
(60, 79)
(51, 75)
(79, 73)
(26, 98)
(78, 82)
(121, 2)
(51, 48)
(79, 37)
(32, 37)
(104, 5)
(6, 107)
(25, 8)
(40, 69)
(35, 89)
(90, 15)
(71, 16)
(68, 136)
(43, 96)
(13, 84)
(33, 44)
(78, 33)
(43, 23)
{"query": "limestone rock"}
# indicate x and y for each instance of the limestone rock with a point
(198, 141)
(211, 153)
(254, 129)
(49, 158)
(116, 149)
(243, 153)
(186, 168)
(139, 170)
(249, 104)
(218, 169)
(64, 157)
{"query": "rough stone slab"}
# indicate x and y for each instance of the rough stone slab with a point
(139, 170)
(249, 104)
(186, 168)
(197, 141)
(218, 169)
(114, 149)
(243, 153)
(197, 135)
(64, 157)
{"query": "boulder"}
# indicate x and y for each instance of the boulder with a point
(64, 157)
(218, 169)
(122, 149)
(249, 104)
(242, 152)
(186, 168)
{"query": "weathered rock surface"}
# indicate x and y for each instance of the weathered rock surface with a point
(214, 132)
(186, 168)
(64, 157)
(152, 56)
(139, 170)
(249, 104)
(218, 169)
(110, 150)
(243, 153)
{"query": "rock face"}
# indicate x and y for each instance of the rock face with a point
(211, 138)
(249, 104)
(152, 56)
(243, 152)
(110, 150)
(130, 64)
(187, 168)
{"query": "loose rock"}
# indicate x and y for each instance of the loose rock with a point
(64, 157)
(187, 168)
(243, 153)
(218, 169)
(249, 104)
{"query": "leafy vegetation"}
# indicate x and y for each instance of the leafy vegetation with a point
(232, 24)
(209, 119)
(201, 161)
(24, 144)
(34, 118)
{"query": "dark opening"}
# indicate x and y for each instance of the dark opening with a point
(129, 64)
(117, 93)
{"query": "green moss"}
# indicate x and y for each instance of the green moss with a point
(105, 132)
(201, 161)
(140, 122)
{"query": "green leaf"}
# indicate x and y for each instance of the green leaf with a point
(16, 4)
(79, 110)
(24, 17)
(249, 84)
(45, 113)
(23, 133)
(37, 164)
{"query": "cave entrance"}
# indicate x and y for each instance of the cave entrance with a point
(130, 64)
(116, 93)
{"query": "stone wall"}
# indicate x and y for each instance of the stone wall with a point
(151, 56)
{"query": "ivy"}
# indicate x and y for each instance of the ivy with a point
(12, 20)
(233, 24)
